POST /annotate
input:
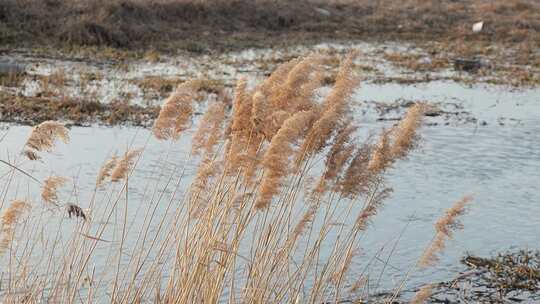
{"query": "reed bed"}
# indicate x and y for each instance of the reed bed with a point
(284, 188)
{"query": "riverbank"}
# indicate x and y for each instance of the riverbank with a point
(224, 25)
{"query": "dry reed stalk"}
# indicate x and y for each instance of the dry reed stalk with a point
(105, 170)
(264, 100)
(43, 138)
(275, 161)
(241, 107)
(422, 294)
(176, 112)
(284, 96)
(304, 221)
(336, 160)
(9, 219)
(356, 178)
(259, 112)
(444, 228)
(123, 166)
(405, 136)
(358, 284)
(381, 157)
(277, 78)
(50, 186)
(335, 110)
(288, 95)
(371, 209)
(208, 168)
(259, 136)
(340, 271)
(240, 126)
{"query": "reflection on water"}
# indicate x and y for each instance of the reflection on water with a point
(499, 164)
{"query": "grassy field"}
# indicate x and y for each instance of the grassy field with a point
(200, 26)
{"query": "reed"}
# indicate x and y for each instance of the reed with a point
(444, 229)
(50, 186)
(9, 219)
(273, 176)
(43, 138)
(422, 295)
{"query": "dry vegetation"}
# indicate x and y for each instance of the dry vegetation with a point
(230, 24)
(285, 187)
(505, 278)
(32, 110)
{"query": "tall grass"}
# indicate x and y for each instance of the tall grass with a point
(284, 188)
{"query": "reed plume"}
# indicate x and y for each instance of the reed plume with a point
(405, 136)
(277, 78)
(336, 160)
(123, 166)
(105, 170)
(265, 99)
(9, 219)
(275, 160)
(444, 228)
(381, 158)
(422, 294)
(335, 110)
(304, 221)
(240, 126)
(207, 169)
(357, 178)
(176, 112)
(240, 123)
(50, 186)
(259, 112)
(302, 96)
(372, 207)
(259, 134)
(43, 138)
(299, 83)
(209, 131)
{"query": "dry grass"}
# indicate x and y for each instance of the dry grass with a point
(239, 233)
(35, 110)
(196, 25)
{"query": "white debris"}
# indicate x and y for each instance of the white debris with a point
(322, 11)
(477, 27)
